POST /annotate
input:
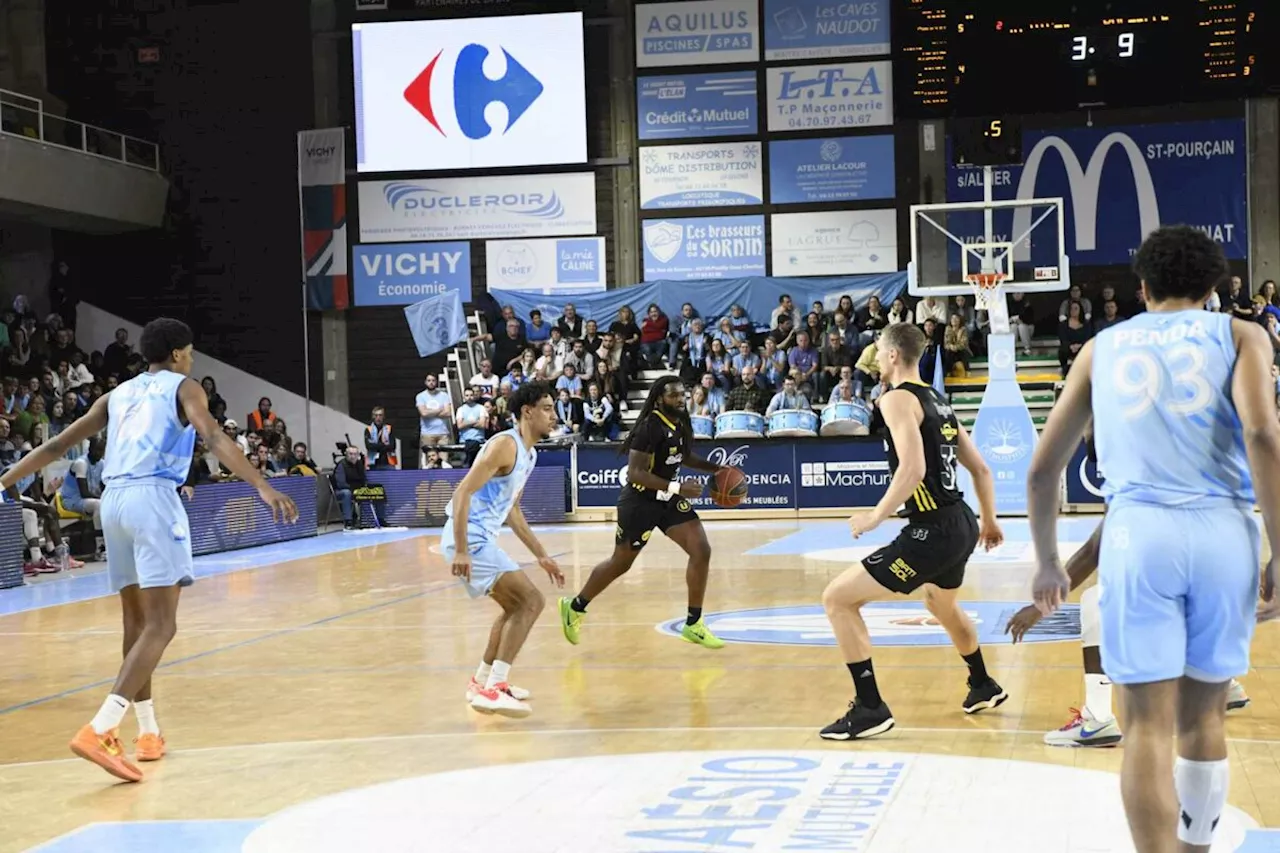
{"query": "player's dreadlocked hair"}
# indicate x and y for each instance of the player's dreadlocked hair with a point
(651, 402)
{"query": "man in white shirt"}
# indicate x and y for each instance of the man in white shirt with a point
(787, 307)
(435, 411)
(486, 381)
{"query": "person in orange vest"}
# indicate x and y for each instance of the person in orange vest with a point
(262, 418)
(378, 442)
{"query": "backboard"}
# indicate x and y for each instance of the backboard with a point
(1022, 239)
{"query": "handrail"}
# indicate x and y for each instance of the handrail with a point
(25, 117)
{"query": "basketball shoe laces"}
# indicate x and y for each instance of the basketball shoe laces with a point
(1076, 717)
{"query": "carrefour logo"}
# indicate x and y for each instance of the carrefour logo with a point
(413, 198)
(472, 92)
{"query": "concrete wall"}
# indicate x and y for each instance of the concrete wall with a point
(97, 328)
(68, 189)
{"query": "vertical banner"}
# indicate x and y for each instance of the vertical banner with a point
(1004, 433)
(322, 200)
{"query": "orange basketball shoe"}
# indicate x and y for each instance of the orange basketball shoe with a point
(149, 748)
(105, 751)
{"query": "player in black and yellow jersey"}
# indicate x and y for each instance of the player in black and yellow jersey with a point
(924, 442)
(657, 446)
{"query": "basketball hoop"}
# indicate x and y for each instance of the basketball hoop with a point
(986, 288)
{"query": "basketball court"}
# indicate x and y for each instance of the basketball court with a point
(313, 701)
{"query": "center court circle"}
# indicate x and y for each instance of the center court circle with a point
(891, 623)
(834, 800)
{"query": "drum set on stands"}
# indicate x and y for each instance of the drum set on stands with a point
(849, 418)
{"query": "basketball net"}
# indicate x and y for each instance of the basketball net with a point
(988, 295)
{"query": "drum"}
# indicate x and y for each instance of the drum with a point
(739, 425)
(851, 418)
(793, 423)
(701, 425)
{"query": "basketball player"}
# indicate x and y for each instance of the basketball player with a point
(1093, 724)
(657, 446)
(151, 422)
(1184, 410)
(488, 497)
(924, 442)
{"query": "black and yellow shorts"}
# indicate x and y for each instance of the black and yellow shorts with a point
(638, 515)
(933, 548)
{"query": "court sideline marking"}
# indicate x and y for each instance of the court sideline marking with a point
(625, 730)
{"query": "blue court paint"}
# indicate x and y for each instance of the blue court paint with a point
(74, 588)
(1260, 841)
(891, 623)
(188, 836)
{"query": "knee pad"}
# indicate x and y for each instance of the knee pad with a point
(30, 524)
(1202, 794)
(1090, 617)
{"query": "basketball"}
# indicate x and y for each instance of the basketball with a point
(729, 487)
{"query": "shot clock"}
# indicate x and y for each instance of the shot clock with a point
(1002, 57)
(986, 141)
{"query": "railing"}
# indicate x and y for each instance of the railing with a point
(24, 116)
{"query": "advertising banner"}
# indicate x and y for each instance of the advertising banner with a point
(807, 171)
(821, 29)
(695, 105)
(759, 295)
(726, 174)
(697, 32)
(226, 516)
(837, 242)
(559, 265)
(427, 93)
(840, 473)
(322, 195)
(477, 208)
(404, 273)
(708, 247)
(768, 466)
(834, 96)
(1119, 184)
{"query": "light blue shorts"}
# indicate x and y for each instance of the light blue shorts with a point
(1179, 588)
(144, 527)
(488, 563)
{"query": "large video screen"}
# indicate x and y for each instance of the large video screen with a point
(474, 93)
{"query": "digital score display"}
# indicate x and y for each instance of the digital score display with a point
(959, 58)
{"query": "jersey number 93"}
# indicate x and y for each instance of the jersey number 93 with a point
(1174, 380)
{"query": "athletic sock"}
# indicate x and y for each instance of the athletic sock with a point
(579, 604)
(864, 684)
(110, 714)
(1202, 794)
(977, 668)
(695, 613)
(1097, 696)
(498, 674)
(482, 673)
(146, 713)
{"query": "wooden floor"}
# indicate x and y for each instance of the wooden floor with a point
(321, 676)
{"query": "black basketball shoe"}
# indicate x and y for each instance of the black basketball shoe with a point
(983, 696)
(860, 722)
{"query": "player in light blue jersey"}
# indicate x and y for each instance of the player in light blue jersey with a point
(1184, 410)
(151, 422)
(487, 498)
